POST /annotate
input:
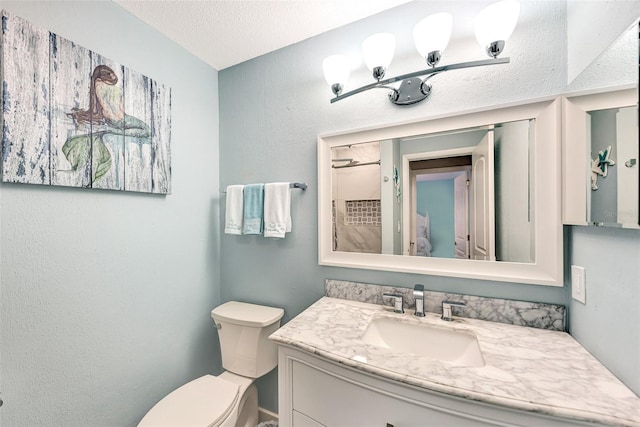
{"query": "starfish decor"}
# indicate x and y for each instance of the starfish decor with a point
(600, 166)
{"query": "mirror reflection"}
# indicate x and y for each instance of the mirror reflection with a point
(463, 194)
(613, 141)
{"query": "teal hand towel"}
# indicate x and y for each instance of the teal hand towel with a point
(253, 209)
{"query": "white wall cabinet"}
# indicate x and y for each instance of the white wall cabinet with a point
(586, 200)
(314, 392)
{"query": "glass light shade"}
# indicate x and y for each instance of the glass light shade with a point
(378, 50)
(336, 69)
(433, 33)
(496, 22)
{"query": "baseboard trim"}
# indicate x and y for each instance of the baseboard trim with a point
(266, 415)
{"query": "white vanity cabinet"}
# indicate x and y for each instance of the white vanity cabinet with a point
(315, 392)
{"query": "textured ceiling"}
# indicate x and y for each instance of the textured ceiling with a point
(226, 32)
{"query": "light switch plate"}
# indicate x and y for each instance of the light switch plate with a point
(578, 284)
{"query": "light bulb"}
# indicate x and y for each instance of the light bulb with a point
(378, 52)
(495, 24)
(336, 72)
(432, 35)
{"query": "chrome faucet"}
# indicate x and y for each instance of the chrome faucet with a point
(398, 301)
(418, 295)
(446, 309)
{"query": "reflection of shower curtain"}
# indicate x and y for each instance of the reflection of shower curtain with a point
(423, 235)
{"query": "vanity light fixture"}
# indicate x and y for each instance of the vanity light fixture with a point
(493, 26)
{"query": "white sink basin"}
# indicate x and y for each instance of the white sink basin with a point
(440, 343)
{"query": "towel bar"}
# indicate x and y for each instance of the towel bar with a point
(301, 185)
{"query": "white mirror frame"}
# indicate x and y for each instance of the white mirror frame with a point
(546, 189)
(575, 174)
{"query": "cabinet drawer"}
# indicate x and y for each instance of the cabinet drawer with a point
(301, 420)
(336, 402)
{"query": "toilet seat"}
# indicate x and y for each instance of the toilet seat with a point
(205, 401)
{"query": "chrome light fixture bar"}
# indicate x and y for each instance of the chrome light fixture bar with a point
(413, 89)
(493, 26)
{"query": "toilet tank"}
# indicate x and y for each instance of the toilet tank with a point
(243, 330)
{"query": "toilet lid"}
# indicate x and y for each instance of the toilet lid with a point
(205, 401)
(245, 314)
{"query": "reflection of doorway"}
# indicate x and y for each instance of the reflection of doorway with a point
(470, 233)
(439, 207)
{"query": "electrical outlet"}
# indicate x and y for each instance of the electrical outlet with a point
(578, 284)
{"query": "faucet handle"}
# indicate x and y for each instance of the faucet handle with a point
(455, 303)
(398, 301)
(446, 309)
(418, 295)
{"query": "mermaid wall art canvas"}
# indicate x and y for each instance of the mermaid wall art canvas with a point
(72, 117)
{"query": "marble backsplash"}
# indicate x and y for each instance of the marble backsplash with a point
(521, 313)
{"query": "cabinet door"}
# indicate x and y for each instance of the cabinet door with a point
(338, 402)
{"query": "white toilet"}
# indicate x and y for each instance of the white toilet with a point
(230, 399)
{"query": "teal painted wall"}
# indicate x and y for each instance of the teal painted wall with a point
(105, 296)
(437, 198)
(608, 325)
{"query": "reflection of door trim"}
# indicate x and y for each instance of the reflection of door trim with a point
(412, 248)
(461, 228)
(408, 187)
(482, 228)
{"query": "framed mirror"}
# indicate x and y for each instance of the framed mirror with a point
(601, 152)
(474, 195)
(600, 139)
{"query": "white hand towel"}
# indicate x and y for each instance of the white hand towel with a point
(277, 209)
(234, 210)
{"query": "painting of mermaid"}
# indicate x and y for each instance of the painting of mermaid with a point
(106, 122)
(74, 118)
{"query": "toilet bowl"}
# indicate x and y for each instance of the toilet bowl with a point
(230, 399)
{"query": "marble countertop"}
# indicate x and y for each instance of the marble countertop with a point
(525, 368)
